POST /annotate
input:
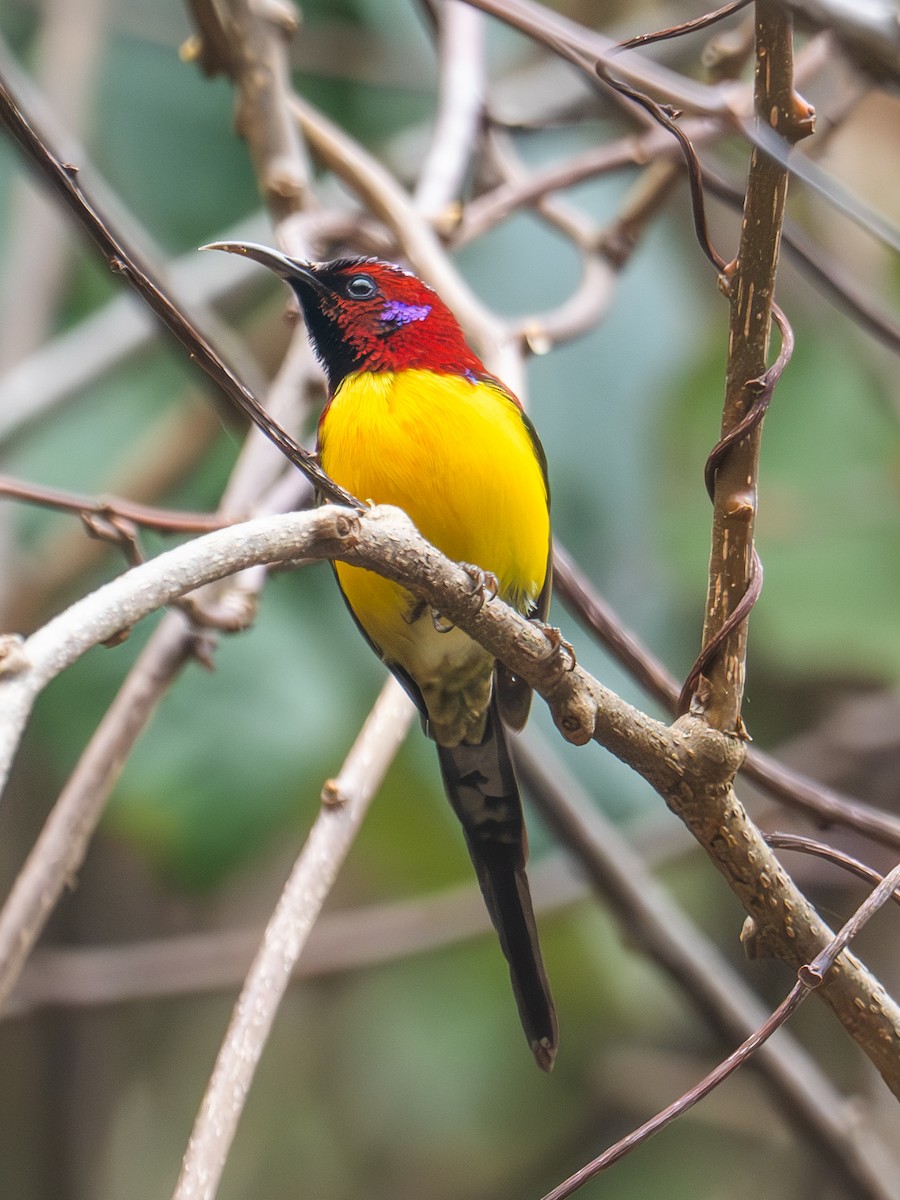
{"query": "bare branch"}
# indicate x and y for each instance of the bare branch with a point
(330, 838)
(690, 764)
(650, 919)
(461, 92)
(797, 791)
(57, 854)
(805, 845)
(164, 520)
(734, 566)
(248, 42)
(810, 977)
(62, 178)
(343, 941)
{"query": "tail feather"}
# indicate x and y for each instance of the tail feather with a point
(481, 785)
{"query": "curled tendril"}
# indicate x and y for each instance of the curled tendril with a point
(761, 392)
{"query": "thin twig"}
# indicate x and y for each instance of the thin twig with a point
(733, 566)
(807, 845)
(286, 934)
(164, 520)
(588, 51)
(651, 920)
(810, 977)
(63, 180)
(490, 208)
(675, 31)
(797, 791)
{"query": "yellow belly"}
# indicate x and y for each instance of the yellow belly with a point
(456, 456)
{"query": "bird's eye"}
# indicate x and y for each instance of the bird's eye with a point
(361, 287)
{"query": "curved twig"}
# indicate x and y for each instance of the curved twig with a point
(810, 977)
(123, 260)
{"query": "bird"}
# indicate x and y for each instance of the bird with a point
(414, 419)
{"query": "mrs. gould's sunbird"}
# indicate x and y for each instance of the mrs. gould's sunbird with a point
(413, 419)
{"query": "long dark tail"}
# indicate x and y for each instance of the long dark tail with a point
(481, 786)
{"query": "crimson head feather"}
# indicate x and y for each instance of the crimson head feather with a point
(363, 314)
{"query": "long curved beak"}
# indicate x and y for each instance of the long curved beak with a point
(290, 269)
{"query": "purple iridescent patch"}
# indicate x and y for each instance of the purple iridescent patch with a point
(395, 312)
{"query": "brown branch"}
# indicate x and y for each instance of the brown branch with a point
(675, 31)
(690, 765)
(62, 178)
(751, 281)
(62, 844)
(823, 804)
(651, 921)
(585, 47)
(805, 845)
(810, 977)
(489, 209)
(167, 453)
(163, 520)
(684, 1103)
(351, 939)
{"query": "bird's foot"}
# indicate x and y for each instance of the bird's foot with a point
(485, 584)
(559, 647)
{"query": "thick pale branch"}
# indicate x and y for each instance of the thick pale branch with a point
(461, 90)
(689, 764)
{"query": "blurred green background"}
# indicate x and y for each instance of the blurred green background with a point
(411, 1079)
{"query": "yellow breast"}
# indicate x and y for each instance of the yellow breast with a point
(457, 456)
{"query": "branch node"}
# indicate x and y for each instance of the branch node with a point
(332, 796)
(754, 941)
(798, 121)
(191, 49)
(282, 16)
(810, 977)
(13, 659)
(345, 528)
(575, 720)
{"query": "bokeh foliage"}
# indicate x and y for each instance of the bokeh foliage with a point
(410, 1079)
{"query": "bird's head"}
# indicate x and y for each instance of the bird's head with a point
(363, 314)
